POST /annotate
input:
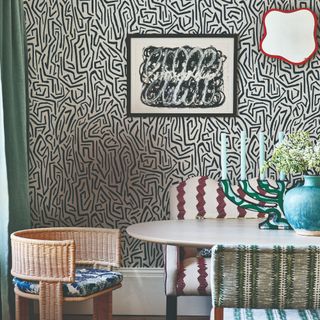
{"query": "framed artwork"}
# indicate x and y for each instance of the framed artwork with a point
(182, 75)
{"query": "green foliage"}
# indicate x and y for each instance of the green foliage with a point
(296, 154)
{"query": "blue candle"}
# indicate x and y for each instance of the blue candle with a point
(261, 158)
(281, 137)
(223, 156)
(243, 156)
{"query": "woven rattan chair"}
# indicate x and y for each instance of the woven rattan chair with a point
(44, 266)
(265, 282)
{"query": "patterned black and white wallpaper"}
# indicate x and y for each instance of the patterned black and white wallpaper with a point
(90, 164)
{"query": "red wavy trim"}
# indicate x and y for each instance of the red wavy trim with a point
(202, 268)
(221, 203)
(200, 196)
(180, 280)
(242, 211)
(181, 200)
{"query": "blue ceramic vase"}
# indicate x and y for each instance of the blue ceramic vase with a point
(302, 207)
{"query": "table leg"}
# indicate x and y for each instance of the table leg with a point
(171, 308)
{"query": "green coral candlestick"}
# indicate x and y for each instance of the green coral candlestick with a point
(268, 200)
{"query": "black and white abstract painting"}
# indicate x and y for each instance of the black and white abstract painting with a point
(184, 75)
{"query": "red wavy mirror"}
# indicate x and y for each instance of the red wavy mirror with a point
(290, 35)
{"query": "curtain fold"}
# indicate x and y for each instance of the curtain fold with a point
(15, 209)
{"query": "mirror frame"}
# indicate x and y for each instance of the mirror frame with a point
(281, 57)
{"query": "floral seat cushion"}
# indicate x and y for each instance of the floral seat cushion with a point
(87, 282)
(205, 253)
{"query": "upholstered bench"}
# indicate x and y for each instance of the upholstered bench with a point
(273, 277)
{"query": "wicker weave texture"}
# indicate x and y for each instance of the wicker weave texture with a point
(43, 260)
(50, 256)
(92, 245)
(51, 299)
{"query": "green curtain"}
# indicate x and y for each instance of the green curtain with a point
(15, 211)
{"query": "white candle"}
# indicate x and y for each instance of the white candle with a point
(261, 158)
(281, 137)
(243, 156)
(223, 156)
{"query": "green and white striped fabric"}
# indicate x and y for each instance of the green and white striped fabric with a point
(276, 277)
(270, 314)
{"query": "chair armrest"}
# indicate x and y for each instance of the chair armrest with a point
(173, 256)
(42, 260)
(278, 277)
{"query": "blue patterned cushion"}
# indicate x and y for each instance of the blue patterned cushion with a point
(87, 281)
(205, 253)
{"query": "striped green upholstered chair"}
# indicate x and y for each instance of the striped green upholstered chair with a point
(273, 278)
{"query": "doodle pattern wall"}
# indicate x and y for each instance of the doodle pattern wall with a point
(91, 165)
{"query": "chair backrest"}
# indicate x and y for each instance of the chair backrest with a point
(42, 260)
(34, 250)
(202, 197)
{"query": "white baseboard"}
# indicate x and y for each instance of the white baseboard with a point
(142, 293)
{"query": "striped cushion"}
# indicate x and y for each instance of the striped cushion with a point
(193, 277)
(88, 281)
(202, 197)
(269, 314)
(280, 277)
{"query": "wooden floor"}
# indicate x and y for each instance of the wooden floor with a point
(136, 318)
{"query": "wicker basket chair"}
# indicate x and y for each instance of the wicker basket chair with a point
(46, 260)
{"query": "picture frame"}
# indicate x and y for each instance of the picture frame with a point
(182, 75)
